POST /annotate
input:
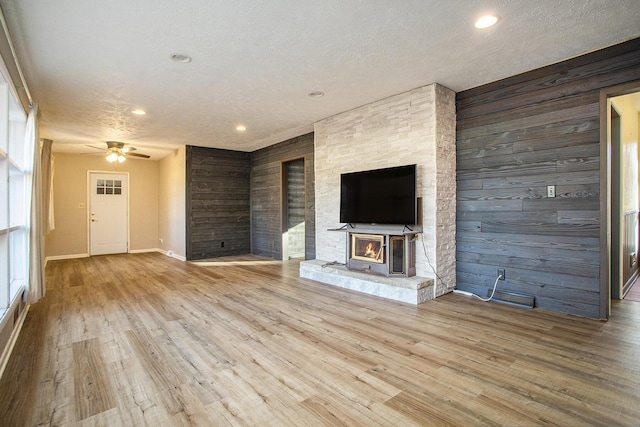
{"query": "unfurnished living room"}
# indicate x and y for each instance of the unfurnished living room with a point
(285, 213)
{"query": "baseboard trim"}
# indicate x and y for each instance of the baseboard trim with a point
(59, 257)
(143, 251)
(172, 255)
(134, 251)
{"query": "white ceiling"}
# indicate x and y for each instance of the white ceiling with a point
(89, 63)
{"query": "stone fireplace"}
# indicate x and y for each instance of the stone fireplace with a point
(416, 127)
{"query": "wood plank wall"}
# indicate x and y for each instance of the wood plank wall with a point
(217, 202)
(515, 137)
(266, 184)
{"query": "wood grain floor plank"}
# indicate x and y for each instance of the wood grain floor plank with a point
(143, 339)
(542, 392)
(138, 401)
(92, 388)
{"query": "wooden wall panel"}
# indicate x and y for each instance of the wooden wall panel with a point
(266, 202)
(217, 202)
(514, 138)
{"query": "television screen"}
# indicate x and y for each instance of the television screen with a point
(381, 196)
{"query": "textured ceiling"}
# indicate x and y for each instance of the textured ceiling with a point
(89, 63)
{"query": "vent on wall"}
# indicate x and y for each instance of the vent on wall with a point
(511, 298)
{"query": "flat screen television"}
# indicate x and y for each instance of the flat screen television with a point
(380, 196)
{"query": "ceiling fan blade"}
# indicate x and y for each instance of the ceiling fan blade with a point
(128, 149)
(97, 148)
(144, 156)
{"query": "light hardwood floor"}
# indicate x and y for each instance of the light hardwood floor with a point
(145, 339)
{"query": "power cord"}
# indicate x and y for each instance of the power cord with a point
(493, 292)
(328, 264)
(424, 248)
(456, 291)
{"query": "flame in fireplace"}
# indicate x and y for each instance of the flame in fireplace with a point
(368, 251)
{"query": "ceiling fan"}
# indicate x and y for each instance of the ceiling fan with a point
(117, 151)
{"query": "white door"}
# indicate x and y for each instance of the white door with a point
(108, 213)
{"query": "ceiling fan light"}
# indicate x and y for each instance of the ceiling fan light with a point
(112, 157)
(486, 21)
(121, 158)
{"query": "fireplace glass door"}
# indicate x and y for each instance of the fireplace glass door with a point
(368, 247)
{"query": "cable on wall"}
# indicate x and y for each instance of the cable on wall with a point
(493, 292)
(457, 291)
(435, 287)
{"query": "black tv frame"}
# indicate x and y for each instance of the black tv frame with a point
(386, 196)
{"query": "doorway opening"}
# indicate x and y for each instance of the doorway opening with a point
(293, 209)
(620, 192)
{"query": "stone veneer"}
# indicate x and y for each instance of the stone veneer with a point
(413, 127)
(412, 290)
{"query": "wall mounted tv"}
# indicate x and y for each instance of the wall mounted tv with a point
(380, 196)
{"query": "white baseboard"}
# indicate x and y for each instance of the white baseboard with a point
(172, 254)
(70, 256)
(143, 251)
(134, 251)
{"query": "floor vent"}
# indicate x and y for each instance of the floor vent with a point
(519, 300)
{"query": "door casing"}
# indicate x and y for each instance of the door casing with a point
(605, 192)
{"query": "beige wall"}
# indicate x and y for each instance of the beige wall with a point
(69, 239)
(171, 203)
(629, 140)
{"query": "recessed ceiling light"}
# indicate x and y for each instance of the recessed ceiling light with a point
(139, 112)
(486, 21)
(316, 94)
(180, 57)
(241, 128)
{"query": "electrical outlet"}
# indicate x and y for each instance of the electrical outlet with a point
(501, 273)
(551, 191)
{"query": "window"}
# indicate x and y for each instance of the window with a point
(15, 197)
(109, 186)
